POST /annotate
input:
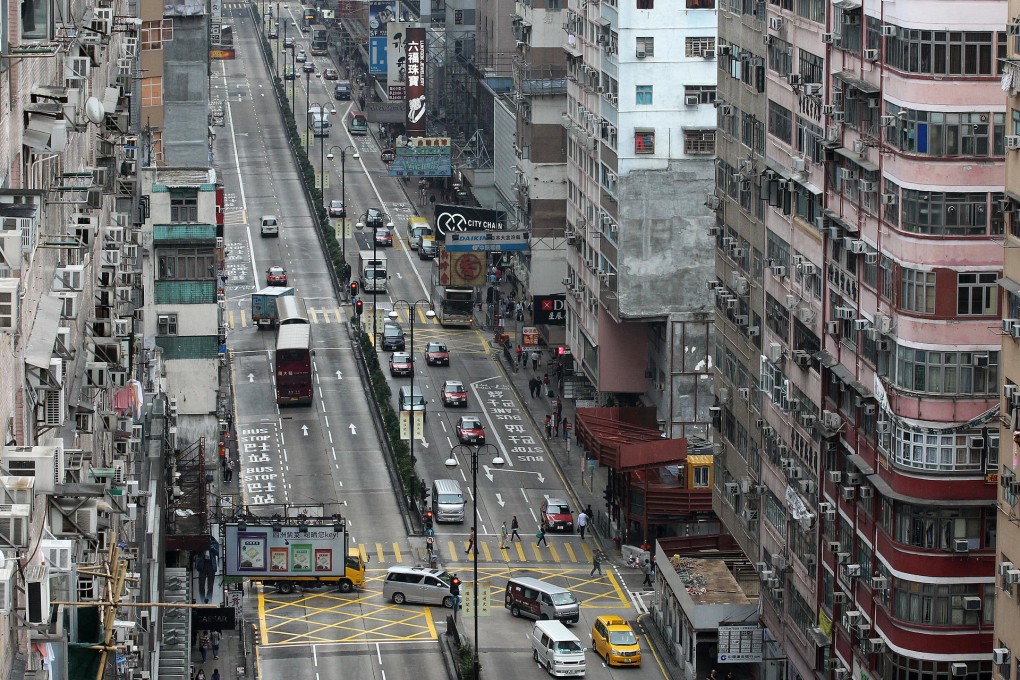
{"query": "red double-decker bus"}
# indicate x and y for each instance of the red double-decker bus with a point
(294, 365)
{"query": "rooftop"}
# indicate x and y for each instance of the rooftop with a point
(709, 581)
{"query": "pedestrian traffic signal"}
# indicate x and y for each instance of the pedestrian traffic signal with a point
(354, 289)
(359, 307)
(455, 586)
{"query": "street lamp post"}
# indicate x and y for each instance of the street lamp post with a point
(451, 463)
(376, 225)
(323, 133)
(343, 188)
(412, 307)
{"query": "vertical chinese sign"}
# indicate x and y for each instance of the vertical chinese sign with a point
(415, 69)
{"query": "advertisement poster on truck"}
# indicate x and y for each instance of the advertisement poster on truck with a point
(260, 551)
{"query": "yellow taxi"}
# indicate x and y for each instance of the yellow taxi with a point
(614, 640)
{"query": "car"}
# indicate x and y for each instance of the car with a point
(374, 218)
(383, 238)
(437, 354)
(337, 209)
(454, 394)
(392, 337)
(306, 28)
(614, 640)
(401, 363)
(342, 90)
(556, 515)
(388, 155)
(309, 67)
(301, 57)
(276, 276)
(270, 226)
(273, 34)
(427, 248)
(288, 43)
(470, 430)
(331, 74)
(288, 74)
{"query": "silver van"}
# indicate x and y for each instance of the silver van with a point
(540, 600)
(447, 501)
(557, 649)
(418, 585)
(270, 226)
(410, 401)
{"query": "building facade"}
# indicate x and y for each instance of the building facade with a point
(640, 141)
(858, 202)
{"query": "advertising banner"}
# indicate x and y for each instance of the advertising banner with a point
(449, 218)
(421, 161)
(396, 58)
(415, 61)
(377, 56)
(259, 551)
(380, 13)
(550, 310)
(461, 269)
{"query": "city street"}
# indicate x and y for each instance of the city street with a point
(330, 451)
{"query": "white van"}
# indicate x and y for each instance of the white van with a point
(557, 649)
(447, 501)
(270, 225)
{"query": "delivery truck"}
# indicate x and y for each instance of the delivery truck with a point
(373, 271)
(263, 306)
(318, 121)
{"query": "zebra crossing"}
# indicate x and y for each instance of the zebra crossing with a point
(571, 551)
(238, 319)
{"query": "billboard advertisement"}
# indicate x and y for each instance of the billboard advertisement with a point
(461, 269)
(395, 60)
(450, 218)
(415, 60)
(380, 13)
(422, 161)
(550, 310)
(259, 551)
(377, 56)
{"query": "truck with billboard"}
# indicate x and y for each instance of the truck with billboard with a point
(319, 43)
(264, 312)
(288, 554)
(318, 121)
(373, 271)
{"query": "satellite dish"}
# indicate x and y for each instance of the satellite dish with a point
(95, 110)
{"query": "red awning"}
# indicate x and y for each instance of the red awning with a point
(627, 438)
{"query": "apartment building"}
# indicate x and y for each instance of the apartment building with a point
(1006, 645)
(859, 208)
(640, 143)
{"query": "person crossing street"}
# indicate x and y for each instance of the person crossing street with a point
(514, 526)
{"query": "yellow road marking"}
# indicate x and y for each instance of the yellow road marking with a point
(244, 318)
(520, 551)
(453, 551)
(538, 555)
(396, 551)
(339, 315)
(587, 552)
(230, 318)
(262, 619)
(379, 551)
(552, 551)
(485, 550)
(570, 552)
(362, 550)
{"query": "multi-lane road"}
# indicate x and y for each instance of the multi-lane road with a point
(331, 451)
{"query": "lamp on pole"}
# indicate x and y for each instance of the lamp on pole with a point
(323, 132)
(377, 224)
(451, 463)
(343, 188)
(412, 307)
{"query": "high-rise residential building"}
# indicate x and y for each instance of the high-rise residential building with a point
(1006, 645)
(640, 144)
(859, 214)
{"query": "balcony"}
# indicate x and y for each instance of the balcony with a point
(540, 80)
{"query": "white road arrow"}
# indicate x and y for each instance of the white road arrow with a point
(354, 430)
(304, 430)
(489, 471)
(251, 377)
(339, 376)
(424, 443)
(499, 499)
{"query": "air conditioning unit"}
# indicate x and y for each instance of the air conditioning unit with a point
(1012, 142)
(888, 31)
(776, 23)
(867, 492)
(1000, 656)
(830, 38)
(959, 670)
(692, 100)
(887, 121)
(848, 492)
(839, 597)
(852, 570)
(871, 55)
(798, 164)
(961, 545)
(793, 79)
(835, 476)
(867, 186)
(813, 89)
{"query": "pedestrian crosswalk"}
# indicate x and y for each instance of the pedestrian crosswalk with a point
(235, 217)
(456, 550)
(237, 319)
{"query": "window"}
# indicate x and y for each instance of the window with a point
(646, 46)
(35, 19)
(184, 207)
(167, 324)
(942, 52)
(780, 54)
(458, 17)
(706, 94)
(700, 4)
(917, 291)
(152, 91)
(699, 142)
(643, 95)
(697, 47)
(701, 477)
(949, 214)
(646, 4)
(977, 294)
(813, 10)
(644, 141)
(811, 67)
(185, 264)
(155, 33)
(942, 133)
(938, 372)
(780, 122)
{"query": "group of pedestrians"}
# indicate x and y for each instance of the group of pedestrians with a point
(206, 640)
(539, 385)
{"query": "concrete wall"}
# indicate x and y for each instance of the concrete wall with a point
(186, 93)
(666, 255)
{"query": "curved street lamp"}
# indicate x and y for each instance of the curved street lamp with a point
(412, 307)
(343, 187)
(451, 463)
(376, 226)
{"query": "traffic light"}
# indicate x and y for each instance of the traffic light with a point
(428, 519)
(354, 289)
(359, 307)
(455, 586)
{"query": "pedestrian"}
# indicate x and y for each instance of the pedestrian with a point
(214, 639)
(582, 524)
(548, 425)
(216, 674)
(430, 546)
(713, 675)
(228, 472)
(203, 644)
(502, 537)
(536, 387)
(556, 425)
(566, 432)
(541, 536)
(520, 353)
(471, 542)
(514, 526)
(535, 356)
(596, 563)
(653, 567)
(588, 511)
(646, 569)
(200, 675)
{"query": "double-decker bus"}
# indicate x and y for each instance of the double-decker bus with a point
(294, 364)
(319, 41)
(290, 310)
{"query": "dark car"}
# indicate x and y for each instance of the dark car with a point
(401, 363)
(309, 67)
(470, 430)
(437, 354)
(427, 248)
(273, 34)
(454, 393)
(288, 43)
(383, 238)
(288, 74)
(393, 338)
(556, 515)
(331, 74)
(374, 218)
(337, 209)
(342, 90)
